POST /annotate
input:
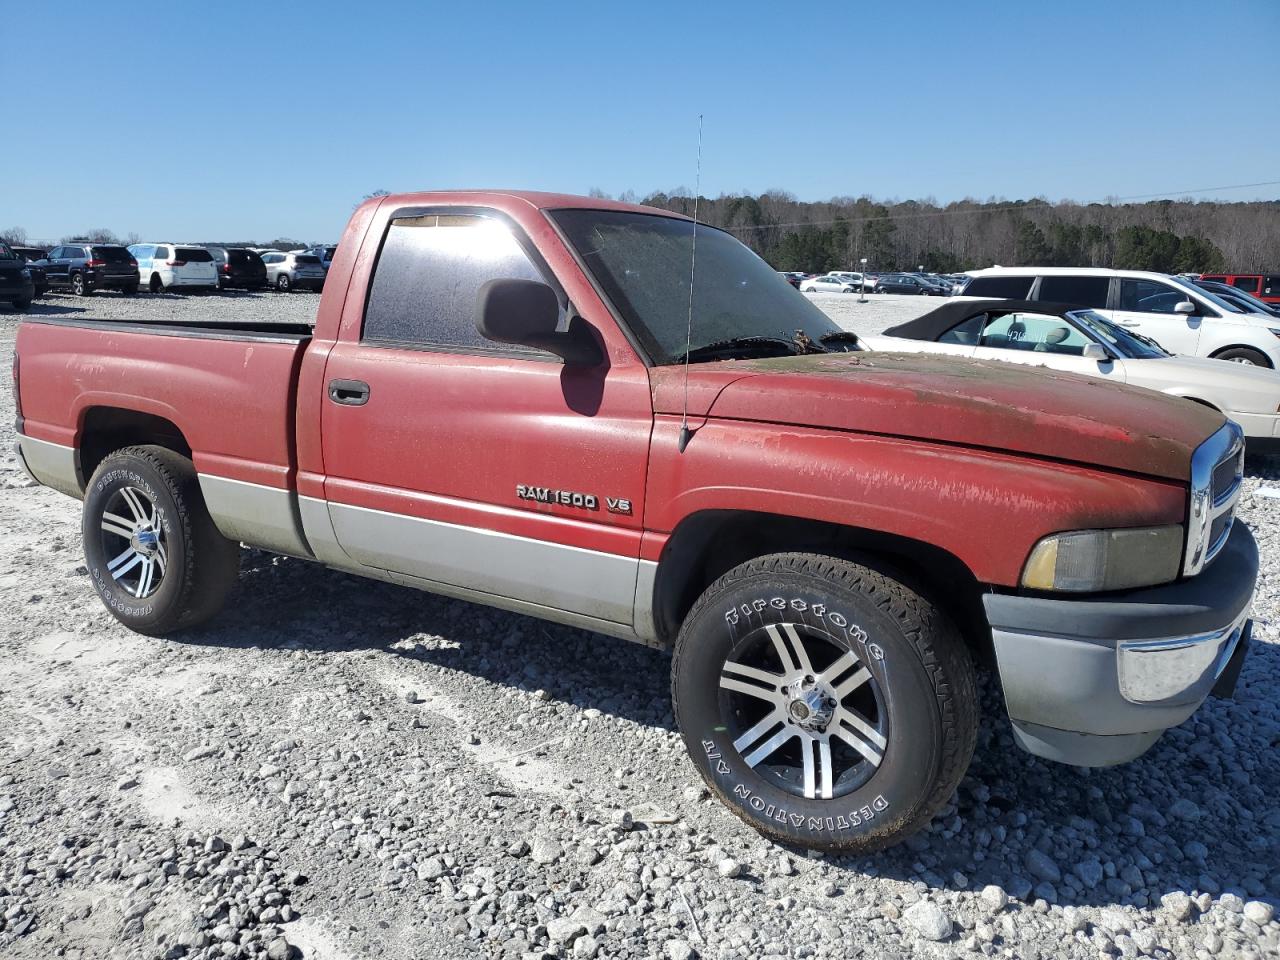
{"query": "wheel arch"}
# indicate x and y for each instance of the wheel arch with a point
(1243, 346)
(708, 544)
(106, 429)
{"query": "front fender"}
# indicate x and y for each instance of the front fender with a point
(987, 509)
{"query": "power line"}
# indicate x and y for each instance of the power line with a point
(1000, 209)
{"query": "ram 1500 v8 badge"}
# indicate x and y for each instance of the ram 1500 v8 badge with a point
(827, 539)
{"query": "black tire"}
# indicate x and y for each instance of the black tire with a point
(22, 306)
(129, 289)
(283, 283)
(197, 565)
(155, 284)
(917, 697)
(1244, 355)
(78, 286)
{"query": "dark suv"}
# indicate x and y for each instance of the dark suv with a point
(15, 279)
(239, 267)
(85, 267)
(35, 256)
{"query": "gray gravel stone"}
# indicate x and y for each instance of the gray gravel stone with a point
(994, 896)
(1259, 912)
(928, 920)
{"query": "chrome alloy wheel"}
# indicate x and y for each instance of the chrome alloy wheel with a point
(804, 710)
(133, 537)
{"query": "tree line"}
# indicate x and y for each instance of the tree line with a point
(1170, 236)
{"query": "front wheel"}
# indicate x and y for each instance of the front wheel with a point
(1254, 358)
(153, 552)
(129, 289)
(826, 704)
(22, 306)
(78, 286)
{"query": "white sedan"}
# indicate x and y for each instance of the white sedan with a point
(1083, 341)
(827, 285)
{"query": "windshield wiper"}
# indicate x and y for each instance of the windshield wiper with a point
(742, 346)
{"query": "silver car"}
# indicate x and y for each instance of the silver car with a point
(293, 271)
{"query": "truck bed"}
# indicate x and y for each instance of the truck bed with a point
(230, 389)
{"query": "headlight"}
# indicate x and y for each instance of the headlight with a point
(1088, 560)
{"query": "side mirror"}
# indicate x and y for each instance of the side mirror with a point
(527, 313)
(1096, 351)
(1184, 307)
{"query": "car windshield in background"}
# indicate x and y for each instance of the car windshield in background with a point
(194, 255)
(1129, 345)
(1207, 294)
(307, 259)
(112, 254)
(642, 263)
(242, 256)
(6, 253)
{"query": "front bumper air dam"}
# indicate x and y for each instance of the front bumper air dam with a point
(1094, 680)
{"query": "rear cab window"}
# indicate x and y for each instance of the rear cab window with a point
(427, 278)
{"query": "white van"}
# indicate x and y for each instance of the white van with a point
(164, 266)
(1180, 316)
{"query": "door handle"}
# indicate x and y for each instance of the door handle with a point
(351, 393)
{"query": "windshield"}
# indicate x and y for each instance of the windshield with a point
(6, 253)
(642, 263)
(1213, 298)
(1134, 346)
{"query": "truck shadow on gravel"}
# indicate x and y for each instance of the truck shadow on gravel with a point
(1195, 814)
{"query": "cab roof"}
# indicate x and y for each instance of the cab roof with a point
(534, 198)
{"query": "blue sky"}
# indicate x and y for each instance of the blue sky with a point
(251, 120)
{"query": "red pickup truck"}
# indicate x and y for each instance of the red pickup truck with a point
(503, 399)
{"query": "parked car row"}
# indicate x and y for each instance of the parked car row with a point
(84, 268)
(851, 281)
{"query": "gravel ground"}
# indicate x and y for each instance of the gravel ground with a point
(349, 769)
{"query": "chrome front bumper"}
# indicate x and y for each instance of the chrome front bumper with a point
(1175, 668)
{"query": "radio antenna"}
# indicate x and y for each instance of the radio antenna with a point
(685, 432)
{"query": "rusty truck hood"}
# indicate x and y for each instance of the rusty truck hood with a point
(975, 403)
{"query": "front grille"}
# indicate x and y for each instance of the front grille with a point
(1217, 472)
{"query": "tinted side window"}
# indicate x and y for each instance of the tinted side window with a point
(428, 275)
(1148, 296)
(1248, 284)
(1271, 286)
(162, 253)
(1005, 288)
(1088, 291)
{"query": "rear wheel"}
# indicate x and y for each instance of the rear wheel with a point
(283, 283)
(1254, 358)
(153, 552)
(22, 306)
(78, 286)
(129, 289)
(155, 285)
(826, 704)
